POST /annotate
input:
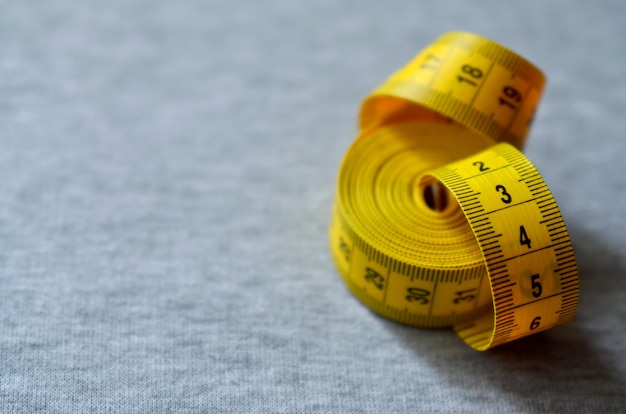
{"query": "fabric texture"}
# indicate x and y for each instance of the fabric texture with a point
(167, 170)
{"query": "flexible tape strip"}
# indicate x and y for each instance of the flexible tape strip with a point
(487, 254)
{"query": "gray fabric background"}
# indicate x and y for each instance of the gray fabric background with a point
(166, 175)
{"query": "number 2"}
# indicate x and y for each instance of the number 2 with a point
(480, 165)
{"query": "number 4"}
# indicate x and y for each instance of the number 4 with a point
(523, 237)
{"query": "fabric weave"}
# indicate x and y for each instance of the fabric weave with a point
(166, 176)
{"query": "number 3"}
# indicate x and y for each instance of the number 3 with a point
(507, 197)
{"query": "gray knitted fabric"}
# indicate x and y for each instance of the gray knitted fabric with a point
(167, 170)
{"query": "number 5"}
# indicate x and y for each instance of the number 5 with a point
(535, 285)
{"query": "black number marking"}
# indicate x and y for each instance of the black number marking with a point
(417, 295)
(343, 247)
(481, 166)
(512, 96)
(375, 278)
(464, 296)
(537, 290)
(431, 62)
(523, 237)
(507, 197)
(473, 72)
(535, 323)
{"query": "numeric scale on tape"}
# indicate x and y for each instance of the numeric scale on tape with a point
(439, 220)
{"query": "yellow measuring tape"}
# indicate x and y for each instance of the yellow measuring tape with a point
(439, 220)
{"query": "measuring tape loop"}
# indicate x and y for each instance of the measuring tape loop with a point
(439, 219)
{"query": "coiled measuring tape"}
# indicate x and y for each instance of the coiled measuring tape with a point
(439, 219)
